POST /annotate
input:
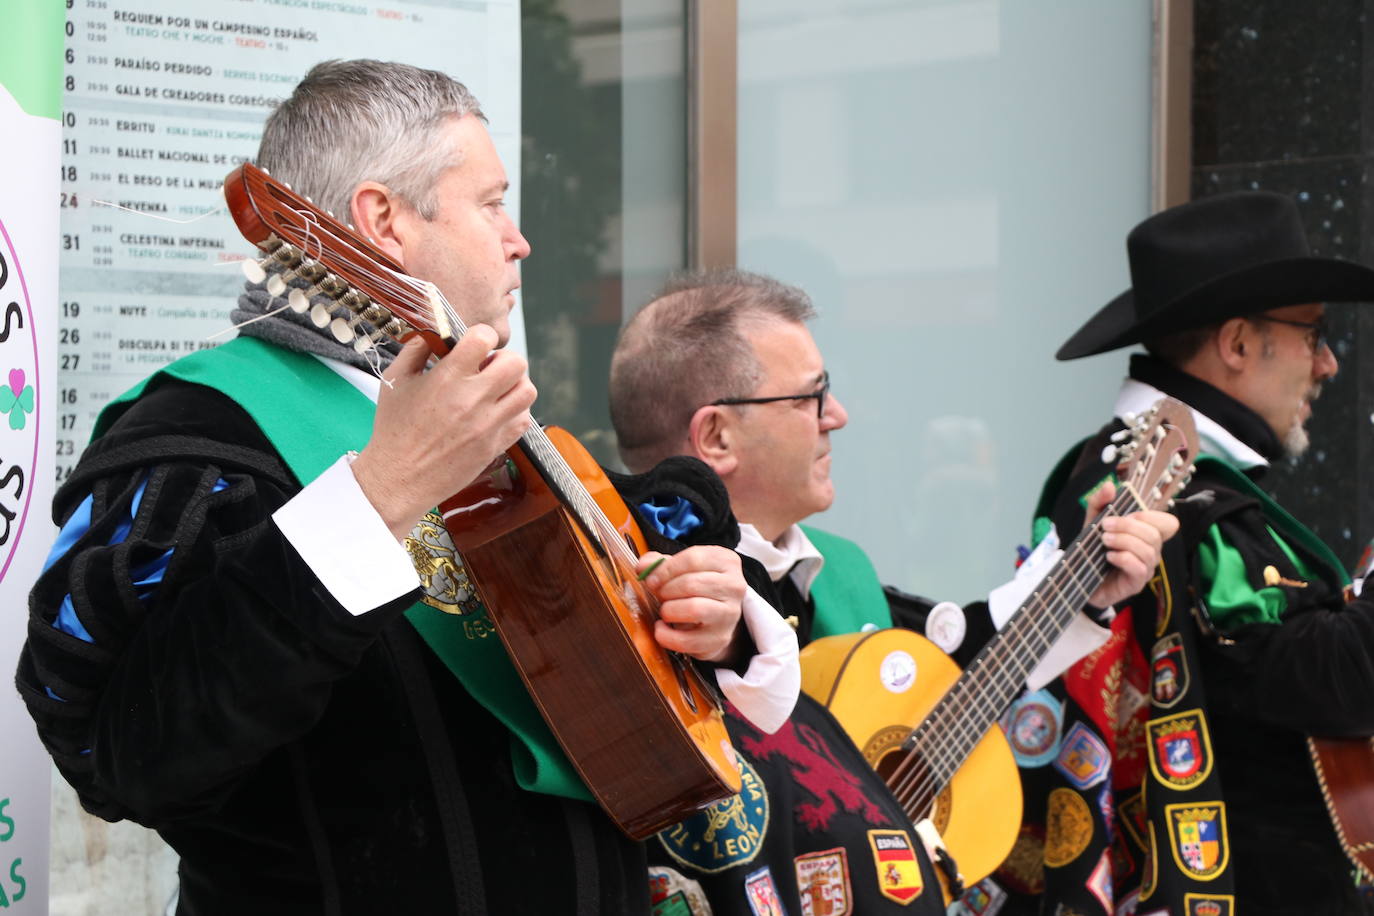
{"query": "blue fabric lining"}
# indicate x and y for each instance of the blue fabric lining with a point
(146, 576)
(673, 517)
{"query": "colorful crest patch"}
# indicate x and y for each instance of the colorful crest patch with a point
(1100, 881)
(1083, 757)
(983, 899)
(823, 883)
(1180, 749)
(899, 871)
(727, 834)
(1209, 904)
(1068, 827)
(762, 894)
(443, 578)
(1033, 725)
(1168, 671)
(674, 894)
(1197, 838)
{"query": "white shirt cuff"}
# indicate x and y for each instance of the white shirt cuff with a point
(768, 689)
(1081, 637)
(311, 521)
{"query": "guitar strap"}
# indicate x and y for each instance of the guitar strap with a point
(324, 418)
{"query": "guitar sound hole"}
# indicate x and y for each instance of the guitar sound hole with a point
(911, 781)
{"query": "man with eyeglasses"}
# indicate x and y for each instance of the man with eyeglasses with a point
(1246, 641)
(721, 367)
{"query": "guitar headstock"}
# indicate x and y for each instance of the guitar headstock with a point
(1154, 457)
(300, 240)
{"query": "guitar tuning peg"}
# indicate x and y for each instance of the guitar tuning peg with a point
(1121, 435)
(263, 170)
(1110, 454)
(345, 330)
(1171, 503)
(319, 316)
(299, 301)
(276, 285)
(254, 270)
(1129, 419)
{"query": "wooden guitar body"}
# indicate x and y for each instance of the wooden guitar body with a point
(1345, 770)
(547, 540)
(634, 720)
(880, 685)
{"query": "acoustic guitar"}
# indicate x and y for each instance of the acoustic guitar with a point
(930, 730)
(548, 542)
(1345, 772)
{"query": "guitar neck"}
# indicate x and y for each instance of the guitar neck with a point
(997, 674)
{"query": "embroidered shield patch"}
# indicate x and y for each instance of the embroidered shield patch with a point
(1168, 671)
(1197, 838)
(983, 899)
(823, 883)
(727, 834)
(1209, 904)
(762, 894)
(899, 871)
(443, 577)
(1180, 749)
(1068, 827)
(1083, 757)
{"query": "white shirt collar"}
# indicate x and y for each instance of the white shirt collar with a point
(1136, 397)
(792, 553)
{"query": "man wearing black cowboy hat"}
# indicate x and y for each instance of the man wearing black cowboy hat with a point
(1244, 644)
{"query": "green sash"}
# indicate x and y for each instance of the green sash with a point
(847, 592)
(312, 415)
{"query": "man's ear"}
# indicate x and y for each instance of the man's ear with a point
(381, 217)
(711, 436)
(1236, 343)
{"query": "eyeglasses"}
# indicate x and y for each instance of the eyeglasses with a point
(819, 394)
(1317, 331)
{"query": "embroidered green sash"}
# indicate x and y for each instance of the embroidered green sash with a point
(312, 415)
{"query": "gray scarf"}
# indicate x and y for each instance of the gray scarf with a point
(295, 331)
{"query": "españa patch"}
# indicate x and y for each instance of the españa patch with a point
(1197, 838)
(1083, 757)
(726, 834)
(823, 883)
(762, 894)
(1168, 671)
(899, 871)
(1068, 827)
(1180, 749)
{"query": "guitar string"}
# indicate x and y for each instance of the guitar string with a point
(935, 722)
(953, 719)
(916, 787)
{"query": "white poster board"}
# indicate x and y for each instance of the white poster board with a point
(163, 99)
(30, 70)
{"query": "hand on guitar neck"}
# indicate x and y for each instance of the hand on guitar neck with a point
(1133, 543)
(436, 430)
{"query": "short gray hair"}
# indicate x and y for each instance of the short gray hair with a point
(687, 348)
(350, 121)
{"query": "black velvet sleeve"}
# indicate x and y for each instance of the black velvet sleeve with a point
(185, 683)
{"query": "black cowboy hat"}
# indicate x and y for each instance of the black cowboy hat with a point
(1214, 259)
